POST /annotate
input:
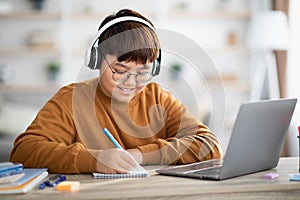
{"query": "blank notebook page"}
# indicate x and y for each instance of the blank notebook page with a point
(136, 173)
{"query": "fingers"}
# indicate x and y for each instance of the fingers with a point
(128, 158)
(115, 161)
(137, 154)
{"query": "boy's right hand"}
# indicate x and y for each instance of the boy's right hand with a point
(112, 161)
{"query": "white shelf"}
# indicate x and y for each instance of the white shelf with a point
(230, 82)
(29, 89)
(29, 51)
(235, 14)
(31, 16)
(101, 15)
(225, 14)
(234, 49)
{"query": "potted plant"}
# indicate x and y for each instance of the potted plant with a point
(176, 68)
(38, 4)
(53, 69)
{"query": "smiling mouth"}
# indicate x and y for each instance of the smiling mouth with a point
(126, 90)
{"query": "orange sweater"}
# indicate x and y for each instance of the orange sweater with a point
(68, 130)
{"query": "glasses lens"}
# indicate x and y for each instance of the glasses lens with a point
(143, 77)
(120, 76)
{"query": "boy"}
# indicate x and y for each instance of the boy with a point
(149, 123)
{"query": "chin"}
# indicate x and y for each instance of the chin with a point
(123, 99)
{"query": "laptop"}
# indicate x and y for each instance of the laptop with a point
(255, 144)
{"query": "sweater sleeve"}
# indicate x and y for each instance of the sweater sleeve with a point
(185, 139)
(51, 141)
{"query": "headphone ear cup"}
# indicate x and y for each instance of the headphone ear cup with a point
(156, 69)
(93, 59)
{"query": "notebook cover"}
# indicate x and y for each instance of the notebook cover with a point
(29, 173)
(25, 187)
(9, 168)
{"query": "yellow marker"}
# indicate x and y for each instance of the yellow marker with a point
(68, 186)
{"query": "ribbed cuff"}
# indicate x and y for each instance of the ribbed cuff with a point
(151, 154)
(86, 161)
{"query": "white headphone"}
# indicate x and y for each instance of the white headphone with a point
(91, 58)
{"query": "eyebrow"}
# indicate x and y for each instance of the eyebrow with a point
(145, 66)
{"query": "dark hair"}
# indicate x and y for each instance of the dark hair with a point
(129, 41)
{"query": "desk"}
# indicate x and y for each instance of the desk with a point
(167, 187)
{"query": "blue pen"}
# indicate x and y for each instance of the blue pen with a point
(53, 181)
(111, 137)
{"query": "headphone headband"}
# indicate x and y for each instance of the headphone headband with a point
(118, 20)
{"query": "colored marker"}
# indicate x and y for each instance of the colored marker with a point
(112, 139)
(299, 145)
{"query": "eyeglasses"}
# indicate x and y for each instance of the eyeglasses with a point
(121, 76)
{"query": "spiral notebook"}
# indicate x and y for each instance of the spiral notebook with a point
(136, 173)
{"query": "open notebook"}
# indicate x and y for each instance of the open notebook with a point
(136, 173)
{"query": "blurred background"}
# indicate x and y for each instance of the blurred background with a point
(242, 50)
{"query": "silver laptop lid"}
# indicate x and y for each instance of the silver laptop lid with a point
(257, 137)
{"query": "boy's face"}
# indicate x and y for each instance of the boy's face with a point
(125, 86)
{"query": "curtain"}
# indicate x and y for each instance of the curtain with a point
(281, 56)
(281, 61)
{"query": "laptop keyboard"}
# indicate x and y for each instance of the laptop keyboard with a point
(208, 171)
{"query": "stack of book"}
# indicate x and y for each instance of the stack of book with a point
(15, 179)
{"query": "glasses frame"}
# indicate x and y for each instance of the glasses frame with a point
(128, 74)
